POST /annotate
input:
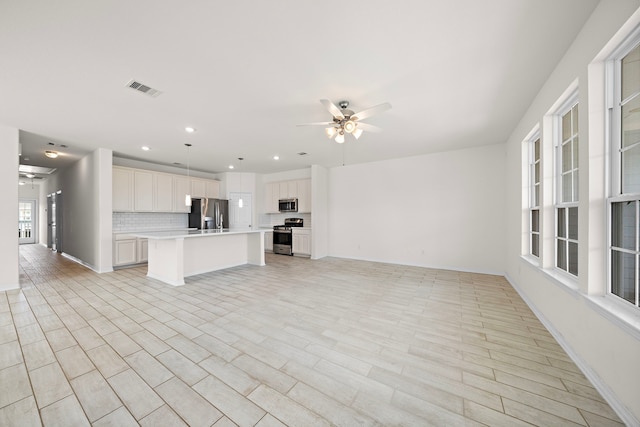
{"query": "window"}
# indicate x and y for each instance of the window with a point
(534, 196)
(567, 189)
(624, 213)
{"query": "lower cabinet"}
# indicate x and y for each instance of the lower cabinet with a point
(268, 241)
(143, 250)
(301, 242)
(124, 252)
(129, 250)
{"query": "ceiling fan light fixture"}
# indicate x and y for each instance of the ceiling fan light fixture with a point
(357, 133)
(349, 126)
(340, 138)
(331, 132)
(51, 154)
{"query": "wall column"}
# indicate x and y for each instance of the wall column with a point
(9, 254)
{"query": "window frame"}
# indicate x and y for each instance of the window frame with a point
(615, 105)
(532, 206)
(568, 105)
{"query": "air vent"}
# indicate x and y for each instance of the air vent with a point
(143, 88)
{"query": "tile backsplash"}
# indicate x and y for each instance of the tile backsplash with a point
(278, 218)
(129, 221)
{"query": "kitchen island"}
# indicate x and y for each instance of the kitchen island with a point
(174, 255)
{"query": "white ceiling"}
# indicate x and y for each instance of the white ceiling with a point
(459, 73)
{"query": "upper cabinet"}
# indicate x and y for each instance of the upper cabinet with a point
(122, 189)
(198, 188)
(162, 192)
(205, 188)
(271, 196)
(212, 189)
(295, 189)
(304, 195)
(138, 190)
(142, 191)
(181, 187)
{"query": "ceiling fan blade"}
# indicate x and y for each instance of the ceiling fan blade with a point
(371, 111)
(318, 124)
(333, 108)
(367, 127)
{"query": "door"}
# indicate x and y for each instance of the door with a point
(240, 217)
(54, 221)
(26, 221)
(51, 221)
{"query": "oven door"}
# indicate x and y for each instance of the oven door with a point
(282, 242)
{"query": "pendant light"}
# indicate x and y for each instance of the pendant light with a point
(240, 202)
(187, 197)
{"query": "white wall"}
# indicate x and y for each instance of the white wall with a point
(320, 212)
(443, 210)
(9, 255)
(86, 207)
(29, 191)
(604, 346)
(102, 162)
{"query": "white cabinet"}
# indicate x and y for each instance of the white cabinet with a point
(268, 241)
(142, 191)
(181, 187)
(271, 197)
(297, 189)
(205, 188)
(162, 192)
(301, 242)
(122, 180)
(304, 195)
(142, 254)
(283, 189)
(198, 188)
(292, 189)
(212, 189)
(129, 250)
(124, 252)
(139, 190)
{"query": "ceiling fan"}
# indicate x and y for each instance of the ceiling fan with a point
(346, 121)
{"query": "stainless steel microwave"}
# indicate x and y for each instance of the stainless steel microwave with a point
(288, 205)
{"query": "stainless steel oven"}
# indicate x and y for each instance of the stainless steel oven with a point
(283, 236)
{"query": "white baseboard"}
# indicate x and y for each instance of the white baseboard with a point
(620, 409)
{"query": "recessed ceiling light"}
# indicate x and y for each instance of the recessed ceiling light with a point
(231, 166)
(145, 148)
(189, 129)
(30, 175)
(21, 183)
(51, 154)
(276, 157)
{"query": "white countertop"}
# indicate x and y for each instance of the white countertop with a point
(178, 234)
(149, 230)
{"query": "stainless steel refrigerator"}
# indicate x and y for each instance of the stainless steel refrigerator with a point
(209, 214)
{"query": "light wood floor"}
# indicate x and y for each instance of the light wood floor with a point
(295, 343)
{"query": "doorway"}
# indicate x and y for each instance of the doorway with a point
(27, 222)
(240, 217)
